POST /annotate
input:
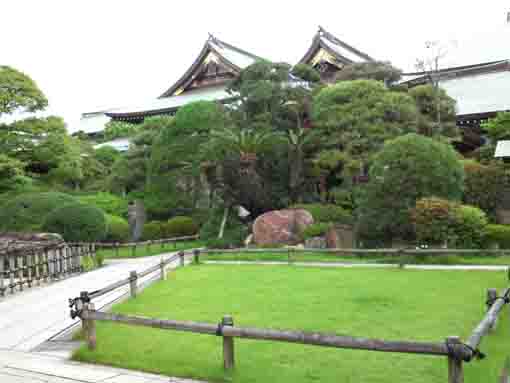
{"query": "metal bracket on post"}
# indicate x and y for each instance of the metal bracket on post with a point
(77, 304)
(196, 256)
(181, 258)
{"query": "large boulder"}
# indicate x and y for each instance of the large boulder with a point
(281, 226)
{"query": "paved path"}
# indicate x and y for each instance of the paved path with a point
(20, 367)
(31, 317)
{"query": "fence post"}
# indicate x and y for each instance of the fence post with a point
(181, 258)
(133, 278)
(455, 369)
(117, 250)
(492, 295)
(29, 268)
(20, 272)
(196, 256)
(12, 266)
(228, 344)
(90, 327)
(2, 288)
(162, 269)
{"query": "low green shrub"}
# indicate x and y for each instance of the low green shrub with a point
(27, 211)
(77, 223)
(87, 263)
(109, 203)
(180, 226)
(316, 230)
(152, 230)
(469, 227)
(326, 212)
(99, 259)
(433, 219)
(118, 229)
(497, 235)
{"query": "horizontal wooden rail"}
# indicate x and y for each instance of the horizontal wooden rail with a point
(144, 243)
(489, 320)
(288, 336)
(343, 252)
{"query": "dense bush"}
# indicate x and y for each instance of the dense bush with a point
(234, 234)
(326, 212)
(77, 222)
(316, 230)
(497, 235)
(118, 229)
(27, 212)
(407, 169)
(153, 230)
(469, 227)
(433, 219)
(109, 203)
(484, 186)
(179, 227)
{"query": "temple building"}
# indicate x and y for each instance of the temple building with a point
(479, 84)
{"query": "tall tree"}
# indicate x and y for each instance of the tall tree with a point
(19, 93)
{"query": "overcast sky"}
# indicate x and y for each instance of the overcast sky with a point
(94, 54)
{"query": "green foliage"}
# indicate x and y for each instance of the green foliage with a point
(235, 231)
(407, 169)
(119, 129)
(109, 203)
(307, 73)
(117, 229)
(497, 235)
(99, 259)
(469, 227)
(87, 263)
(77, 222)
(316, 230)
(498, 128)
(358, 116)
(180, 227)
(106, 155)
(426, 97)
(326, 213)
(153, 230)
(370, 70)
(18, 92)
(345, 198)
(484, 186)
(11, 173)
(433, 220)
(27, 212)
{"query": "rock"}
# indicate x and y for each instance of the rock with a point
(340, 237)
(315, 243)
(281, 226)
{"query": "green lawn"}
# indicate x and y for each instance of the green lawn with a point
(369, 258)
(144, 251)
(390, 304)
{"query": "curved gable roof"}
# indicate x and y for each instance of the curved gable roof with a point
(230, 56)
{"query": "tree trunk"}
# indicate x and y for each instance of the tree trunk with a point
(223, 222)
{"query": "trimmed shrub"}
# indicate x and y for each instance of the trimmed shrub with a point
(407, 169)
(109, 203)
(497, 235)
(180, 226)
(87, 263)
(27, 212)
(433, 218)
(326, 212)
(469, 227)
(77, 222)
(118, 229)
(316, 230)
(152, 230)
(484, 186)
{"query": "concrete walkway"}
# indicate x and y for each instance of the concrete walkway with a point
(31, 320)
(20, 367)
(35, 315)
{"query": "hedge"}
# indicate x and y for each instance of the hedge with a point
(326, 212)
(497, 235)
(28, 211)
(316, 230)
(109, 203)
(180, 226)
(77, 222)
(117, 229)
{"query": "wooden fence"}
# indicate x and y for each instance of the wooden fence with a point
(452, 348)
(20, 268)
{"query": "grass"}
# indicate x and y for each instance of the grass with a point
(145, 251)
(371, 258)
(388, 304)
